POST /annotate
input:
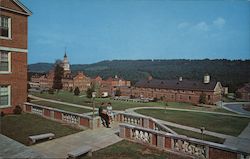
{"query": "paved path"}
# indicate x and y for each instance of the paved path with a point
(242, 142)
(187, 110)
(236, 107)
(10, 148)
(65, 103)
(206, 132)
(97, 139)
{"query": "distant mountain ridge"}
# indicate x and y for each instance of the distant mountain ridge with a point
(232, 73)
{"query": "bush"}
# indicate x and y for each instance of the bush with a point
(17, 110)
(76, 91)
(71, 90)
(51, 91)
(2, 114)
(154, 99)
(28, 99)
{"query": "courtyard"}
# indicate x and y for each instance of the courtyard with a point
(20, 127)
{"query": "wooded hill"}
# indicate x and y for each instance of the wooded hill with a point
(232, 73)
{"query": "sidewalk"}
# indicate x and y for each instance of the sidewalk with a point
(97, 139)
(65, 103)
(206, 132)
(242, 142)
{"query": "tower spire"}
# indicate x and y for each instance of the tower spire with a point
(65, 54)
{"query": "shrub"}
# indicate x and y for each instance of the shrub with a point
(71, 89)
(28, 99)
(2, 114)
(51, 91)
(76, 91)
(17, 110)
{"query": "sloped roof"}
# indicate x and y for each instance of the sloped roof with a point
(245, 88)
(24, 9)
(176, 84)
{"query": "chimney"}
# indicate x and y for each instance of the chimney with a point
(180, 79)
(206, 79)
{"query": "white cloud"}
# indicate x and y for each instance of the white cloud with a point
(219, 22)
(202, 26)
(183, 25)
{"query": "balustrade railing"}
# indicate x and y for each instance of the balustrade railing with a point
(181, 144)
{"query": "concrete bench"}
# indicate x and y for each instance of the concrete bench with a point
(80, 151)
(34, 138)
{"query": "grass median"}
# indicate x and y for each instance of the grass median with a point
(218, 123)
(20, 127)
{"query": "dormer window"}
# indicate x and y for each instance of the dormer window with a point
(5, 27)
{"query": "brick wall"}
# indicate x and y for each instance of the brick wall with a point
(216, 153)
(17, 79)
(84, 122)
(19, 25)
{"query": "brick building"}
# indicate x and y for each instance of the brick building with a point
(69, 80)
(244, 92)
(111, 85)
(13, 54)
(179, 90)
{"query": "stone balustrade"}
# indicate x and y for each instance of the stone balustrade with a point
(181, 144)
(59, 115)
(141, 121)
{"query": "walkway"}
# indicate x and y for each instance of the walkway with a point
(187, 110)
(242, 142)
(65, 103)
(206, 132)
(97, 139)
(10, 148)
(236, 107)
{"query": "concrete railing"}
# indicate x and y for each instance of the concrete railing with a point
(181, 144)
(142, 121)
(59, 115)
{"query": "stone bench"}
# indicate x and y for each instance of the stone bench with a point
(80, 151)
(34, 138)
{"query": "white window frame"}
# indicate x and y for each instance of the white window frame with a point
(9, 98)
(9, 30)
(9, 64)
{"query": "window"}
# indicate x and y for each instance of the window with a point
(189, 97)
(208, 97)
(5, 27)
(4, 96)
(4, 61)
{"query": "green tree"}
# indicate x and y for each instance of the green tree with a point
(118, 92)
(58, 74)
(76, 91)
(89, 92)
(202, 99)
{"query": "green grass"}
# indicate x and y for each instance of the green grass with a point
(212, 122)
(121, 105)
(20, 127)
(62, 106)
(197, 135)
(129, 150)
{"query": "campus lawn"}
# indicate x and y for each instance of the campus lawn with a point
(129, 150)
(197, 135)
(212, 122)
(20, 127)
(121, 105)
(62, 106)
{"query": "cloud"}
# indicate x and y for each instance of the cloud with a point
(183, 25)
(202, 26)
(219, 22)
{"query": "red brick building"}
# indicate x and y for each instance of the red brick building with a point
(112, 84)
(244, 92)
(179, 90)
(13, 54)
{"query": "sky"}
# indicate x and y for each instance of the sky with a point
(96, 30)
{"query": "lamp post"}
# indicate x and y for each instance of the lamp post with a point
(93, 103)
(202, 132)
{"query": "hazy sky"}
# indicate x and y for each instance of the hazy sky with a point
(95, 30)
